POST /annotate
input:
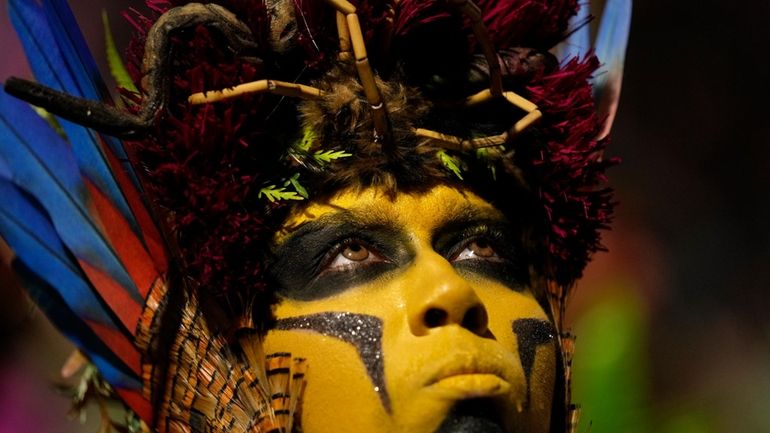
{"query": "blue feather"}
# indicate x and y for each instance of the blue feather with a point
(29, 232)
(5, 171)
(612, 40)
(40, 163)
(73, 44)
(57, 62)
(578, 44)
(68, 322)
(82, 63)
(611, 43)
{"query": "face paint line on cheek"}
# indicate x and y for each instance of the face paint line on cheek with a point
(530, 334)
(364, 332)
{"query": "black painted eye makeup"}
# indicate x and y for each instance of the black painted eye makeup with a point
(330, 255)
(485, 248)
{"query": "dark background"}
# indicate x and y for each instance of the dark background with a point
(673, 325)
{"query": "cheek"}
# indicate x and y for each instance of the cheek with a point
(341, 338)
(339, 395)
(542, 382)
(519, 323)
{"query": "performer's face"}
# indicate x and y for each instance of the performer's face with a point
(414, 315)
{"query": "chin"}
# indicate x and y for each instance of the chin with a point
(472, 416)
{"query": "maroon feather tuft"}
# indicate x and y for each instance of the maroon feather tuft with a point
(567, 167)
(204, 164)
(537, 24)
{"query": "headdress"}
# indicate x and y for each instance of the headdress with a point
(124, 232)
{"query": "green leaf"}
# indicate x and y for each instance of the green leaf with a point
(48, 117)
(273, 193)
(294, 182)
(328, 156)
(117, 68)
(308, 138)
(485, 154)
(450, 162)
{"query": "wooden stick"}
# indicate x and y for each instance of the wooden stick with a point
(451, 142)
(282, 88)
(525, 122)
(488, 141)
(512, 97)
(482, 96)
(520, 101)
(344, 37)
(343, 6)
(472, 11)
(366, 76)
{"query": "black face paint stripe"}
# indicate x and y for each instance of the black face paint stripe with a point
(364, 332)
(530, 334)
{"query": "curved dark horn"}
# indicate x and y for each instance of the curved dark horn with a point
(110, 120)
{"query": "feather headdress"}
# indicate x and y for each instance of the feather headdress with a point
(245, 109)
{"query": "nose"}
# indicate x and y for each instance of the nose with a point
(438, 296)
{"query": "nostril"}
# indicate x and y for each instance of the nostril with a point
(475, 319)
(435, 317)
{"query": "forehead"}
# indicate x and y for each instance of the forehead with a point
(419, 212)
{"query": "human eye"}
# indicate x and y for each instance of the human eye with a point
(480, 242)
(476, 249)
(491, 251)
(321, 260)
(349, 255)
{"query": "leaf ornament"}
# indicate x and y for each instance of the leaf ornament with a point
(294, 182)
(117, 68)
(274, 194)
(325, 157)
(452, 163)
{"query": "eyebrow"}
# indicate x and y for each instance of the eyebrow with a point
(346, 220)
(332, 224)
(468, 216)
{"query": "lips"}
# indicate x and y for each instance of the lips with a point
(463, 364)
(464, 386)
(470, 375)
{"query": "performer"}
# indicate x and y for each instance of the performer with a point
(318, 216)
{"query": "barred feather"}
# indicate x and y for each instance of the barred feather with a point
(225, 388)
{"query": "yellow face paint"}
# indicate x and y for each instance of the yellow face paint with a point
(414, 315)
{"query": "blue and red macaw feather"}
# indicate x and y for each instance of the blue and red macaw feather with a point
(84, 69)
(41, 163)
(126, 381)
(48, 299)
(60, 59)
(72, 45)
(26, 227)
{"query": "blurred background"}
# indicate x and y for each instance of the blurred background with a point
(673, 323)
